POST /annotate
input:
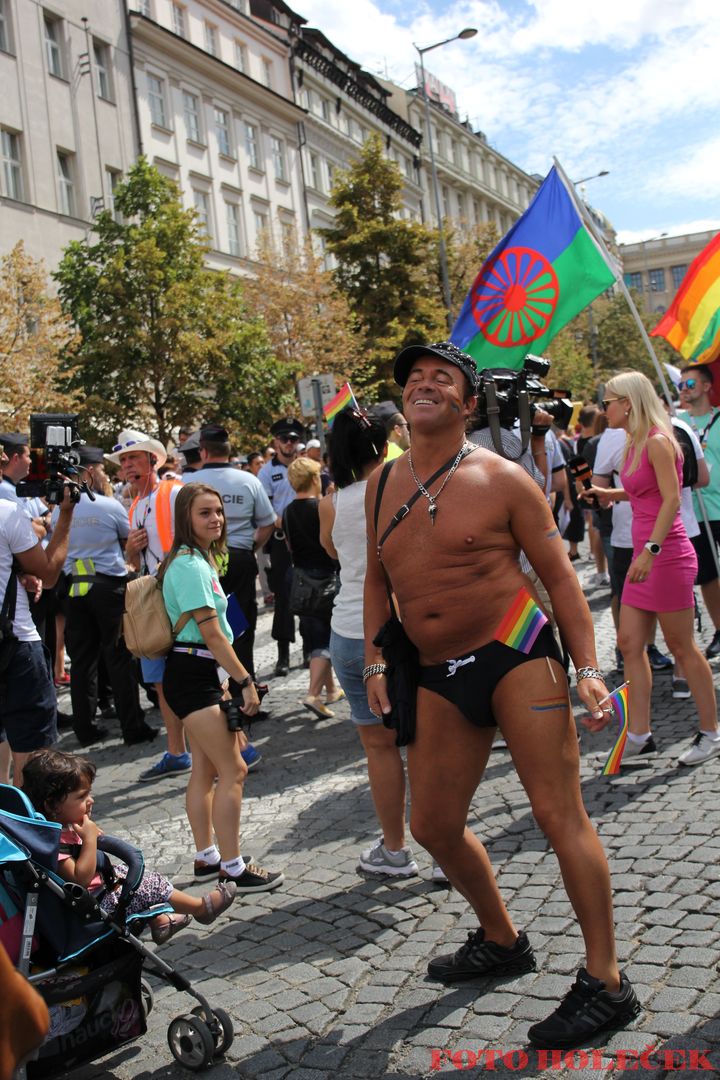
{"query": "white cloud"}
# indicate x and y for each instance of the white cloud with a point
(637, 236)
(697, 172)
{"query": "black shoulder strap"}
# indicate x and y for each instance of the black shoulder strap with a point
(381, 487)
(10, 599)
(706, 429)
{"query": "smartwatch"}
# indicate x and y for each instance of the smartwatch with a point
(653, 548)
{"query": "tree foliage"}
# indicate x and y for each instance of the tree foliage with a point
(33, 333)
(386, 266)
(159, 332)
(467, 247)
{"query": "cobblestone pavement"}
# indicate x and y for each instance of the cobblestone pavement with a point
(326, 977)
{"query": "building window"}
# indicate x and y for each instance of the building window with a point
(315, 172)
(476, 212)
(240, 5)
(251, 146)
(331, 174)
(461, 207)
(278, 157)
(11, 165)
(222, 130)
(232, 220)
(192, 115)
(53, 46)
(178, 20)
(287, 236)
(261, 225)
(112, 181)
(267, 73)
(211, 39)
(143, 6)
(201, 203)
(66, 187)
(445, 202)
(102, 70)
(5, 38)
(657, 280)
(678, 273)
(325, 110)
(156, 98)
(241, 61)
(634, 281)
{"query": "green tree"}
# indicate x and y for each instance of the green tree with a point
(158, 330)
(468, 247)
(620, 346)
(386, 266)
(33, 334)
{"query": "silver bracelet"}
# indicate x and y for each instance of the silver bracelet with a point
(588, 673)
(373, 669)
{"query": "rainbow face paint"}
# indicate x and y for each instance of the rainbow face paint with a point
(522, 623)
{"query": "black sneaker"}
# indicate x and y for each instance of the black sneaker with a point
(478, 957)
(586, 1009)
(255, 879)
(205, 871)
(713, 649)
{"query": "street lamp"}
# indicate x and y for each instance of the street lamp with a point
(468, 32)
(603, 172)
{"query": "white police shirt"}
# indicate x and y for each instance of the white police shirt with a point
(96, 533)
(16, 535)
(273, 477)
(245, 502)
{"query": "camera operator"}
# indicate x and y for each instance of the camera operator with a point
(28, 707)
(14, 469)
(97, 577)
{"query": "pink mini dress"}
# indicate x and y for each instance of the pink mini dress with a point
(669, 585)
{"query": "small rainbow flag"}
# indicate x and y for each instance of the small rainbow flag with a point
(619, 700)
(342, 399)
(522, 623)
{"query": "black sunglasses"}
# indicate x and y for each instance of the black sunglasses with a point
(289, 438)
(687, 384)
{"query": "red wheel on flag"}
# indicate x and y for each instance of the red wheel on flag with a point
(514, 300)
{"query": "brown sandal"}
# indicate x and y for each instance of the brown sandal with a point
(216, 902)
(162, 932)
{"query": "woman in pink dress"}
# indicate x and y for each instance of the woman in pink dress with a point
(661, 575)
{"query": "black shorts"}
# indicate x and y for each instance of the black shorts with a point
(470, 681)
(28, 703)
(707, 571)
(618, 568)
(191, 683)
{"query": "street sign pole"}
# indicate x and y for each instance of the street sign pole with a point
(317, 397)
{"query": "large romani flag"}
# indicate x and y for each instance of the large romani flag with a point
(539, 277)
(692, 322)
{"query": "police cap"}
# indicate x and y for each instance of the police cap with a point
(288, 425)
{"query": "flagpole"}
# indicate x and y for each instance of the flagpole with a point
(612, 265)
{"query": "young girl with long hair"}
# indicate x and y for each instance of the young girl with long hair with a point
(201, 660)
(59, 785)
(661, 576)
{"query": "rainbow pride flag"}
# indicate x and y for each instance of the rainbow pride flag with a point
(620, 703)
(522, 623)
(342, 399)
(692, 322)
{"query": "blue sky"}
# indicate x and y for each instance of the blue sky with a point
(631, 86)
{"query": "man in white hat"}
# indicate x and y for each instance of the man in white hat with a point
(150, 538)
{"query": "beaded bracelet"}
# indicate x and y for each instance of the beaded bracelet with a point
(588, 673)
(373, 669)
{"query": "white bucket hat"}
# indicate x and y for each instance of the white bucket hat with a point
(136, 440)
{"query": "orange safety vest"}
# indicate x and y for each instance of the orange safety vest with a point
(163, 512)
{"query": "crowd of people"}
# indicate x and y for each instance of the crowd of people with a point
(466, 640)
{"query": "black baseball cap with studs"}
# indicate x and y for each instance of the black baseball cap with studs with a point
(445, 350)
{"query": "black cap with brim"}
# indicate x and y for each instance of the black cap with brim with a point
(288, 425)
(214, 433)
(13, 441)
(444, 350)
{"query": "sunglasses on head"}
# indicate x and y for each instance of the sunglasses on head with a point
(687, 384)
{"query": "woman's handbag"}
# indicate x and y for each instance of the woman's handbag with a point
(313, 595)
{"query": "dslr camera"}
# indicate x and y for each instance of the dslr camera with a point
(55, 459)
(506, 394)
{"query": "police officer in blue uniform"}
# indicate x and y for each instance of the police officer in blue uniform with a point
(97, 578)
(250, 520)
(287, 432)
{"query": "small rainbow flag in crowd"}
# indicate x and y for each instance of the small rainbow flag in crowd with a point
(619, 699)
(692, 322)
(522, 623)
(342, 399)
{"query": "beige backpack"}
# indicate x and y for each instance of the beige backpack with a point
(146, 626)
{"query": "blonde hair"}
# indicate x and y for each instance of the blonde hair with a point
(646, 413)
(301, 473)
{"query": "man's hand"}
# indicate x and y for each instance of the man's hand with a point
(136, 542)
(32, 584)
(378, 700)
(591, 692)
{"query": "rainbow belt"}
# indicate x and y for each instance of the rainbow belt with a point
(521, 624)
(205, 653)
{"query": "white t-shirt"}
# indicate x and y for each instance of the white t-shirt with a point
(16, 535)
(144, 516)
(687, 510)
(609, 461)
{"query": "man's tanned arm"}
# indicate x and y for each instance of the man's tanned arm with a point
(376, 607)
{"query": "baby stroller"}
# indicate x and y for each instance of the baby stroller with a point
(87, 964)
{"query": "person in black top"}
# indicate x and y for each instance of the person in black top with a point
(301, 524)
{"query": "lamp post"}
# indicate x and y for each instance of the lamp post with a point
(592, 331)
(468, 32)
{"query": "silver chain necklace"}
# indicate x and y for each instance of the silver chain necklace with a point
(465, 449)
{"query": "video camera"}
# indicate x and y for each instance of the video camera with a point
(55, 459)
(512, 391)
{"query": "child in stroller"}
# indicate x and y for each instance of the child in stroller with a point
(60, 786)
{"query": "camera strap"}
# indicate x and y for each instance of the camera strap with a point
(493, 415)
(10, 598)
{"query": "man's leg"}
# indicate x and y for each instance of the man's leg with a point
(28, 703)
(241, 579)
(83, 637)
(387, 782)
(108, 603)
(445, 764)
(176, 759)
(283, 626)
(532, 707)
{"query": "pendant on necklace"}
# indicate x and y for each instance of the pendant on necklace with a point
(432, 511)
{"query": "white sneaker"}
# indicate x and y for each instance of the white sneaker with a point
(438, 876)
(378, 860)
(701, 749)
(634, 753)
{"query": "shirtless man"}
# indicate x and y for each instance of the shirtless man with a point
(461, 595)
